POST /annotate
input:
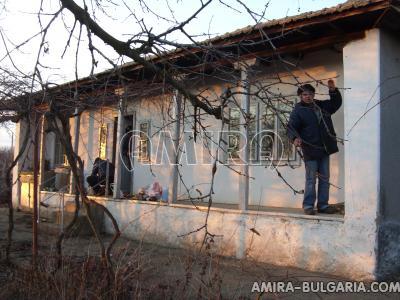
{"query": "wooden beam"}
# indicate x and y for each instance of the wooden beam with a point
(308, 45)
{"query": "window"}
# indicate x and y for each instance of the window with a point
(252, 131)
(234, 133)
(267, 138)
(267, 132)
(144, 141)
(103, 141)
(59, 153)
(285, 148)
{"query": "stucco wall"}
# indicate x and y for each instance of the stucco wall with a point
(317, 244)
(389, 221)
(24, 164)
(157, 111)
(266, 189)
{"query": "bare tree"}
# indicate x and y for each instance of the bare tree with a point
(163, 65)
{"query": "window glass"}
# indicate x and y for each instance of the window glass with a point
(102, 141)
(234, 132)
(144, 142)
(285, 146)
(58, 152)
(253, 129)
(267, 125)
(267, 135)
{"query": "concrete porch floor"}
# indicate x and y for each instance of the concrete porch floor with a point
(215, 205)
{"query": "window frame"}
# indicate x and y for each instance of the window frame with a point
(230, 134)
(140, 157)
(293, 160)
(59, 153)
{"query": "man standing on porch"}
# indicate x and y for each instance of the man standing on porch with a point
(310, 127)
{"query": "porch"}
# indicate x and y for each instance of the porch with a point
(281, 236)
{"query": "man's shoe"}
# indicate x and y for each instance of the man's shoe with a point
(328, 210)
(309, 211)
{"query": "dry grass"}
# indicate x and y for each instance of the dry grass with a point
(137, 275)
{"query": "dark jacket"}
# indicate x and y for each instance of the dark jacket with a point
(100, 169)
(313, 124)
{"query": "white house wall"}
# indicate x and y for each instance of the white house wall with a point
(153, 110)
(267, 189)
(197, 176)
(317, 244)
(90, 124)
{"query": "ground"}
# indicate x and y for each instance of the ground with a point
(142, 271)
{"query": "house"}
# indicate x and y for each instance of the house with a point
(255, 212)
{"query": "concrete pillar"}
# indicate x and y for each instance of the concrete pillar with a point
(25, 161)
(77, 125)
(42, 158)
(244, 88)
(90, 137)
(173, 185)
(120, 132)
(16, 188)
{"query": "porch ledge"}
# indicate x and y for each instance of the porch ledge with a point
(296, 213)
(264, 210)
(231, 208)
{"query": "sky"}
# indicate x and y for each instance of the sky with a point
(19, 22)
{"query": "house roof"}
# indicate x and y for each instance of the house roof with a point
(332, 25)
(298, 19)
(351, 8)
